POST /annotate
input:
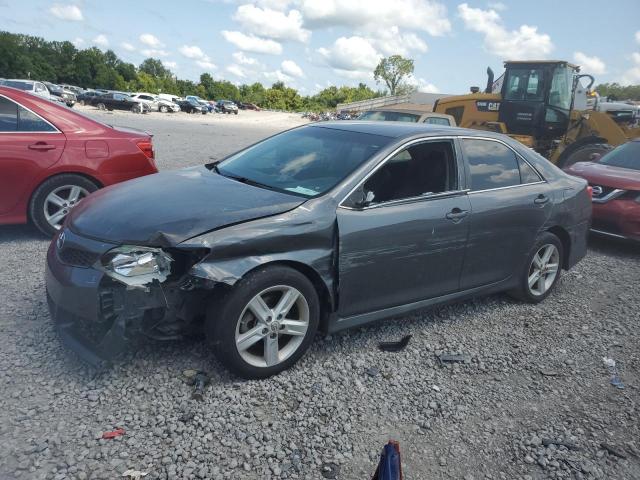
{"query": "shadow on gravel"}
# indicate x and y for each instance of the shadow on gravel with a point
(17, 233)
(613, 246)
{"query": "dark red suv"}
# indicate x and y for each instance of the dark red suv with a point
(52, 157)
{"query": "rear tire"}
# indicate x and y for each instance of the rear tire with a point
(232, 317)
(164, 108)
(583, 153)
(43, 202)
(539, 275)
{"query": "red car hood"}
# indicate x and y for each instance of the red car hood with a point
(615, 177)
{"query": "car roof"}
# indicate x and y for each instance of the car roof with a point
(403, 129)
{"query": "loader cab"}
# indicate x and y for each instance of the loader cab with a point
(536, 98)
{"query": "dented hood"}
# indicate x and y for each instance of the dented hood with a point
(167, 208)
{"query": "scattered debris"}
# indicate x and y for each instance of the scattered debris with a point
(549, 373)
(454, 358)
(199, 381)
(571, 446)
(186, 417)
(390, 465)
(113, 434)
(436, 388)
(395, 346)
(613, 371)
(135, 474)
(373, 371)
(613, 450)
(330, 470)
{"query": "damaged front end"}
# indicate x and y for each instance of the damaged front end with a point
(106, 298)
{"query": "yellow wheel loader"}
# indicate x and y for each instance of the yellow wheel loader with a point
(544, 105)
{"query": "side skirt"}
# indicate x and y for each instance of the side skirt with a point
(336, 323)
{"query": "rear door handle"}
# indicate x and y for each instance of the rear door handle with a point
(541, 199)
(457, 214)
(41, 146)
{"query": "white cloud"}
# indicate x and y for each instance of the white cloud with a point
(269, 23)
(67, 12)
(497, 6)
(151, 40)
(127, 46)
(195, 53)
(274, 4)
(191, 51)
(391, 42)
(206, 64)
(520, 44)
(277, 76)
(171, 65)
(632, 76)
(638, 36)
(152, 52)
(78, 42)
(422, 85)
(590, 64)
(236, 70)
(374, 15)
(351, 57)
(101, 40)
(242, 59)
(291, 68)
(251, 43)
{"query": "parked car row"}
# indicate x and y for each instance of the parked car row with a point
(47, 90)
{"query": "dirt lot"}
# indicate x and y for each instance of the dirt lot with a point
(533, 401)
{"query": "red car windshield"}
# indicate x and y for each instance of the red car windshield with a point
(625, 156)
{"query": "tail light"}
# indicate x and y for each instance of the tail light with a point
(590, 192)
(146, 146)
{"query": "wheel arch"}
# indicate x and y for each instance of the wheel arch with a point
(91, 178)
(565, 239)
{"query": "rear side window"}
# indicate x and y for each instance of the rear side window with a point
(14, 118)
(437, 121)
(527, 173)
(491, 164)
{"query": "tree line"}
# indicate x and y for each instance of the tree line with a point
(26, 56)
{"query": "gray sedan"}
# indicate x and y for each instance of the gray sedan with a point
(324, 227)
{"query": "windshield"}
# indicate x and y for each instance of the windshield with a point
(307, 161)
(524, 84)
(27, 86)
(625, 156)
(389, 116)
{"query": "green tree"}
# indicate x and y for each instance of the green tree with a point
(155, 68)
(393, 71)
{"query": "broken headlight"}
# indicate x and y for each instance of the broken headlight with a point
(137, 266)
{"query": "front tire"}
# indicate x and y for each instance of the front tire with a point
(164, 108)
(265, 323)
(583, 154)
(55, 197)
(541, 271)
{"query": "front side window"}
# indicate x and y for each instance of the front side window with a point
(491, 164)
(306, 161)
(15, 118)
(524, 84)
(561, 85)
(423, 169)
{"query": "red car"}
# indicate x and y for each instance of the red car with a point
(615, 180)
(52, 157)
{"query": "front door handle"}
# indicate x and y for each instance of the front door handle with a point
(541, 199)
(457, 214)
(41, 146)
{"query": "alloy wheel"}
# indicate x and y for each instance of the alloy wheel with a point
(272, 326)
(60, 201)
(543, 269)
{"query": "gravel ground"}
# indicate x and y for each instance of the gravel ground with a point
(534, 374)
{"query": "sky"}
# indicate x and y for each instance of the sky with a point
(310, 44)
